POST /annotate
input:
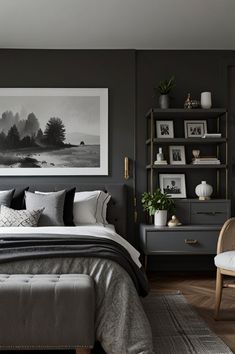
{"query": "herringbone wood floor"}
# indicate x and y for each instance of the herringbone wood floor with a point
(199, 291)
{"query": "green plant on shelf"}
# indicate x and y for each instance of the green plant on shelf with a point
(157, 201)
(165, 86)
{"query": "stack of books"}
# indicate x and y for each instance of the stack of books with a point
(206, 161)
(212, 135)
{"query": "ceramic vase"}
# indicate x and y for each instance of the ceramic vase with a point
(164, 101)
(206, 100)
(160, 217)
(203, 191)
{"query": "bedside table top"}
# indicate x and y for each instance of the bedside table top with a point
(147, 227)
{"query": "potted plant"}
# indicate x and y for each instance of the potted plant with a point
(158, 204)
(164, 87)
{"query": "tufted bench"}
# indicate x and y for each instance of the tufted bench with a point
(47, 312)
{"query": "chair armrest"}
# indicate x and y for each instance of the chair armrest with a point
(226, 240)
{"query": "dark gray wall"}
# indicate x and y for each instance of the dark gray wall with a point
(59, 68)
(130, 76)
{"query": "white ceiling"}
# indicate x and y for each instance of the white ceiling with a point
(117, 24)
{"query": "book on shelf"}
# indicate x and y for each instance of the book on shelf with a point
(206, 161)
(211, 135)
(163, 162)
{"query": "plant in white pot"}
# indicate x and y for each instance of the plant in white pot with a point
(158, 204)
(164, 87)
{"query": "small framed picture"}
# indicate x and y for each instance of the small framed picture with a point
(165, 129)
(195, 128)
(173, 184)
(177, 155)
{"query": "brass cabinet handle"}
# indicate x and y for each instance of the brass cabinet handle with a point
(211, 213)
(190, 242)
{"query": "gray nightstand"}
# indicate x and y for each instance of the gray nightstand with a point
(199, 234)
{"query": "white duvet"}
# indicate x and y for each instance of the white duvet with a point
(96, 231)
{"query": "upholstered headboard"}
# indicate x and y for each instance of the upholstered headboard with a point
(117, 208)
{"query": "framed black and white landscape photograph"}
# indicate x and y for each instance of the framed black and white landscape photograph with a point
(165, 129)
(177, 155)
(173, 184)
(53, 131)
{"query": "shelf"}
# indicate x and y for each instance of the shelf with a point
(186, 141)
(190, 113)
(188, 166)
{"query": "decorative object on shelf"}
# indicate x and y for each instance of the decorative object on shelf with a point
(158, 204)
(173, 222)
(195, 128)
(195, 104)
(204, 191)
(206, 102)
(164, 87)
(212, 135)
(188, 102)
(207, 160)
(196, 153)
(160, 158)
(191, 103)
(173, 184)
(165, 129)
(177, 155)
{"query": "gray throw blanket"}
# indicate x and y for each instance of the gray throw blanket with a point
(121, 324)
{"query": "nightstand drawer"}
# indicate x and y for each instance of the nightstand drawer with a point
(177, 242)
(206, 213)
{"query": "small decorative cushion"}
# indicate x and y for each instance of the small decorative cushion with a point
(90, 207)
(53, 205)
(20, 218)
(68, 205)
(6, 197)
(18, 200)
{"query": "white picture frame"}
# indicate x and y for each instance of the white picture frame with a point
(165, 129)
(177, 155)
(195, 128)
(84, 113)
(173, 184)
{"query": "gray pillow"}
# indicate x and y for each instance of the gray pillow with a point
(53, 205)
(19, 218)
(6, 197)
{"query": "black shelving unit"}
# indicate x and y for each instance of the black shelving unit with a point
(217, 121)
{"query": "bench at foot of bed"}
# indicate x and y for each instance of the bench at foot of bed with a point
(46, 311)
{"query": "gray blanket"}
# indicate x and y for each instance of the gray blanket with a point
(121, 324)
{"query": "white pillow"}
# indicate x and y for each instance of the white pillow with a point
(90, 207)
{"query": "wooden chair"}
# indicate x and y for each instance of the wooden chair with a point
(225, 260)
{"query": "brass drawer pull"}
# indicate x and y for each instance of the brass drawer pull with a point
(211, 213)
(190, 242)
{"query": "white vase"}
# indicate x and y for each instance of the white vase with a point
(204, 191)
(160, 217)
(206, 102)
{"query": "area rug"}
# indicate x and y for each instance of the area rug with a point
(177, 329)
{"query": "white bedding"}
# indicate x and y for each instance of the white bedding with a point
(107, 231)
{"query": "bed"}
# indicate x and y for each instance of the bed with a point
(121, 324)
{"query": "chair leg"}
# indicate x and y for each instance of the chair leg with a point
(218, 292)
(83, 351)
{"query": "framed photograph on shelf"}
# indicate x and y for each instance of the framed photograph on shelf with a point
(165, 129)
(195, 128)
(177, 155)
(173, 184)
